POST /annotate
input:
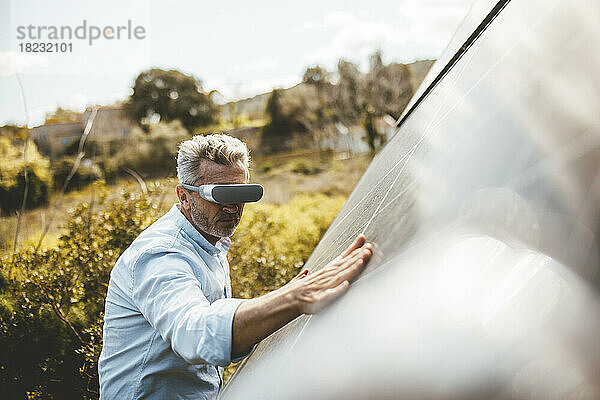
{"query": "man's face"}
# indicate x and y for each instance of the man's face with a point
(217, 220)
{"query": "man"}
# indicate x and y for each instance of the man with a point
(170, 324)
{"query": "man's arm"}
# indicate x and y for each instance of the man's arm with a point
(166, 291)
(257, 318)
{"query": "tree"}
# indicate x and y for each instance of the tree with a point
(51, 300)
(168, 96)
(278, 127)
(387, 88)
(12, 177)
(372, 136)
(347, 93)
(62, 116)
(317, 76)
(293, 113)
(14, 133)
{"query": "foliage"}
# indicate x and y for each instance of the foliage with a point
(62, 116)
(153, 155)
(317, 76)
(7, 234)
(304, 168)
(51, 301)
(373, 138)
(85, 174)
(13, 132)
(12, 177)
(282, 124)
(298, 114)
(150, 155)
(387, 88)
(346, 93)
(273, 242)
(92, 148)
(345, 96)
(171, 95)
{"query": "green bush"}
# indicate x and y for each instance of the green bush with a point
(91, 148)
(150, 158)
(301, 167)
(273, 242)
(51, 301)
(12, 177)
(152, 155)
(7, 234)
(83, 176)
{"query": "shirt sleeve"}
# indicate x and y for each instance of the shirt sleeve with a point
(171, 299)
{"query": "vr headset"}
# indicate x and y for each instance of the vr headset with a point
(228, 194)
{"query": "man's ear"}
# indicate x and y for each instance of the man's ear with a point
(184, 197)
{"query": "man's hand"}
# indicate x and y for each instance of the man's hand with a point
(255, 319)
(315, 291)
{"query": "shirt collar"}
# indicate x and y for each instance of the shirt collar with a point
(223, 244)
(191, 231)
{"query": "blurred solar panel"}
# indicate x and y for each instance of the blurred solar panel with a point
(484, 208)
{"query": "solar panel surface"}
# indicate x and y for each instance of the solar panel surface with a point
(485, 210)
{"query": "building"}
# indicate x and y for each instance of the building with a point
(109, 124)
(53, 138)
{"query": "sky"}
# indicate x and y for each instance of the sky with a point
(238, 48)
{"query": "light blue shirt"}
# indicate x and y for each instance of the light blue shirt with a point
(168, 316)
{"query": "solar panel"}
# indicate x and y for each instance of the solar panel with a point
(484, 207)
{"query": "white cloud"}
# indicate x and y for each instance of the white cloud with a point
(76, 102)
(358, 41)
(37, 115)
(12, 62)
(434, 18)
(333, 18)
(306, 26)
(338, 18)
(240, 90)
(421, 28)
(265, 63)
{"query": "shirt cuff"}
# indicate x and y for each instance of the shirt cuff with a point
(226, 309)
(244, 355)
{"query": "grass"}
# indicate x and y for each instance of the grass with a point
(283, 176)
(242, 122)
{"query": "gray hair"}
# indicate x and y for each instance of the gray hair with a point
(220, 148)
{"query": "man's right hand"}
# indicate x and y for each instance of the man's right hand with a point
(315, 291)
(255, 319)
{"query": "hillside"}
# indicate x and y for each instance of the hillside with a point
(254, 106)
